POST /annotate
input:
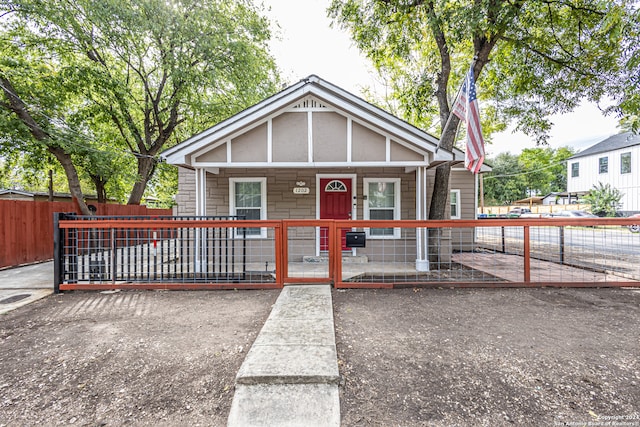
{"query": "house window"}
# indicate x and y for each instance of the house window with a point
(625, 163)
(454, 202)
(575, 169)
(248, 198)
(603, 165)
(383, 203)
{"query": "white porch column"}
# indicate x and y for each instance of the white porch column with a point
(422, 240)
(201, 210)
(201, 192)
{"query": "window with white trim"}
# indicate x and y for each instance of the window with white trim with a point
(454, 202)
(625, 163)
(248, 198)
(603, 165)
(383, 203)
(575, 170)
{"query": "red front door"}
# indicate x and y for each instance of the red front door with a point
(335, 203)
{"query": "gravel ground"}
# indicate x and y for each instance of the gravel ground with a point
(486, 357)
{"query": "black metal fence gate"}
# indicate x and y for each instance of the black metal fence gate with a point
(148, 254)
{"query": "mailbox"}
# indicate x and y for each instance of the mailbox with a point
(356, 239)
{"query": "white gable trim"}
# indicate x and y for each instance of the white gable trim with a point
(389, 138)
(363, 112)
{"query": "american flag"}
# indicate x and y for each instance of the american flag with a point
(466, 108)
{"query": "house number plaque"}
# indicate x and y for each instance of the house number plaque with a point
(301, 190)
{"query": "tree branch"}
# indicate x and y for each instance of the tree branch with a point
(564, 64)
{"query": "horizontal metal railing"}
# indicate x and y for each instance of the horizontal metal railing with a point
(488, 252)
(199, 253)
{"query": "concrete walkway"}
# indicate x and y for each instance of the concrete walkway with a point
(290, 375)
(23, 285)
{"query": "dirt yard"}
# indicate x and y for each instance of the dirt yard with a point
(523, 357)
(430, 357)
(129, 358)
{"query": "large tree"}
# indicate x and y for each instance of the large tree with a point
(506, 182)
(531, 58)
(534, 171)
(34, 102)
(153, 69)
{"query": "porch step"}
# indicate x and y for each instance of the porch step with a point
(346, 259)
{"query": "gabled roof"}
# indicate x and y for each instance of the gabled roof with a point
(613, 143)
(17, 192)
(312, 85)
(57, 195)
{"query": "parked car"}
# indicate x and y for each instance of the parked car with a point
(517, 212)
(524, 213)
(635, 228)
(573, 214)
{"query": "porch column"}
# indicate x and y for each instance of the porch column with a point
(422, 240)
(201, 192)
(201, 210)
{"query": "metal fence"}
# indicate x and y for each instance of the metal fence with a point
(497, 253)
(226, 252)
(161, 252)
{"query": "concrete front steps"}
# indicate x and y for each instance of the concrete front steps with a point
(290, 375)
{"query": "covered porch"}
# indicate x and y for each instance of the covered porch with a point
(315, 151)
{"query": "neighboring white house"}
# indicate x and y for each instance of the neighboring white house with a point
(614, 161)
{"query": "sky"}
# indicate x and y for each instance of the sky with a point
(305, 44)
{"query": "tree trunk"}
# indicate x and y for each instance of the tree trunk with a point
(101, 191)
(146, 167)
(20, 109)
(438, 206)
(72, 177)
(437, 209)
(50, 185)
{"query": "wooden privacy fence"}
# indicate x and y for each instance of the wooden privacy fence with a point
(26, 227)
(209, 253)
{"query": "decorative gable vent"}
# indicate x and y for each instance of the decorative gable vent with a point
(309, 103)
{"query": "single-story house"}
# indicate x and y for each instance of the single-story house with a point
(530, 201)
(562, 198)
(41, 196)
(316, 151)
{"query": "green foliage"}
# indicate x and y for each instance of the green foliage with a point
(604, 200)
(125, 79)
(164, 186)
(530, 59)
(506, 182)
(626, 89)
(537, 58)
(535, 171)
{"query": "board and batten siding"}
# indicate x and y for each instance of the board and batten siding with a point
(309, 137)
(589, 175)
